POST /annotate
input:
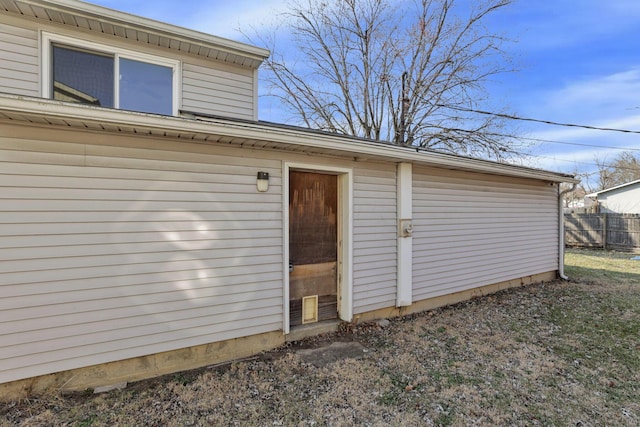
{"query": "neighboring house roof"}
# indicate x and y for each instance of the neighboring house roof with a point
(246, 133)
(606, 190)
(67, 93)
(89, 17)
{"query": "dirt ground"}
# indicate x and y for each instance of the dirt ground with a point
(551, 354)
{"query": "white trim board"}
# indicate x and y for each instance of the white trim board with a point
(345, 236)
(48, 39)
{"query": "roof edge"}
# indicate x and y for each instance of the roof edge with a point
(617, 187)
(260, 131)
(81, 8)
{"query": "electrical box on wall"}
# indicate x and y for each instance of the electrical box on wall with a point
(405, 227)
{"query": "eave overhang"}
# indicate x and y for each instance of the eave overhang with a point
(617, 187)
(93, 18)
(248, 134)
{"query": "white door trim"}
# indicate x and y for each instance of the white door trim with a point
(345, 235)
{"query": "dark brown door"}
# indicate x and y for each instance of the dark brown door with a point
(313, 236)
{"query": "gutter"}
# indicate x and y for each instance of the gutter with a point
(77, 115)
(561, 231)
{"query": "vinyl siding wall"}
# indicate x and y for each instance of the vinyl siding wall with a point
(217, 91)
(19, 69)
(625, 200)
(472, 230)
(207, 87)
(130, 248)
(374, 237)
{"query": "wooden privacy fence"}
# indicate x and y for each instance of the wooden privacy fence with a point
(610, 231)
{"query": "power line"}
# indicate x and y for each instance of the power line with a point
(560, 159)
(547, 140)
(527, 119)
(576, 143)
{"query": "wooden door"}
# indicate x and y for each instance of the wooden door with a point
(313, 236)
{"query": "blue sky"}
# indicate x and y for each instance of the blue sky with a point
(578, 62)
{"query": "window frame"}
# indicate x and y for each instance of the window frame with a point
(49, 39)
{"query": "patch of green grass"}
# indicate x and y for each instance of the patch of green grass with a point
(604, 267)
(446, 415)
(87, 421)
(598, 322)
(599, 331)
(389, 398)
(396, 394)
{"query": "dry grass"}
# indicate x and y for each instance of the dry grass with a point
(550, 354)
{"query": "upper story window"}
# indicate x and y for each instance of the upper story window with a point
(88, 73)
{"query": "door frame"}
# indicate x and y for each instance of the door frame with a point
(345, 235)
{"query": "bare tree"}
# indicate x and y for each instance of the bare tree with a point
(604, 174)
(401, 71)
(625, 167)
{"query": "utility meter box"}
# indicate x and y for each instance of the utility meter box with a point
(405, 228)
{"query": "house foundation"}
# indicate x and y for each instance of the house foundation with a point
(145, 367)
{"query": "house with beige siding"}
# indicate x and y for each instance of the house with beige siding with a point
(150, 223)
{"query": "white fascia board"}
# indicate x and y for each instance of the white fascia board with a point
(606, 190)
(139, 23)
(338, 144)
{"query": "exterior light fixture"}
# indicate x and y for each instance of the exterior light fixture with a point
(262, 183)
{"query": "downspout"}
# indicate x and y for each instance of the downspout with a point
(561, 231)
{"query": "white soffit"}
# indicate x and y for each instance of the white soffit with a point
(91, 17)
(38, 111)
